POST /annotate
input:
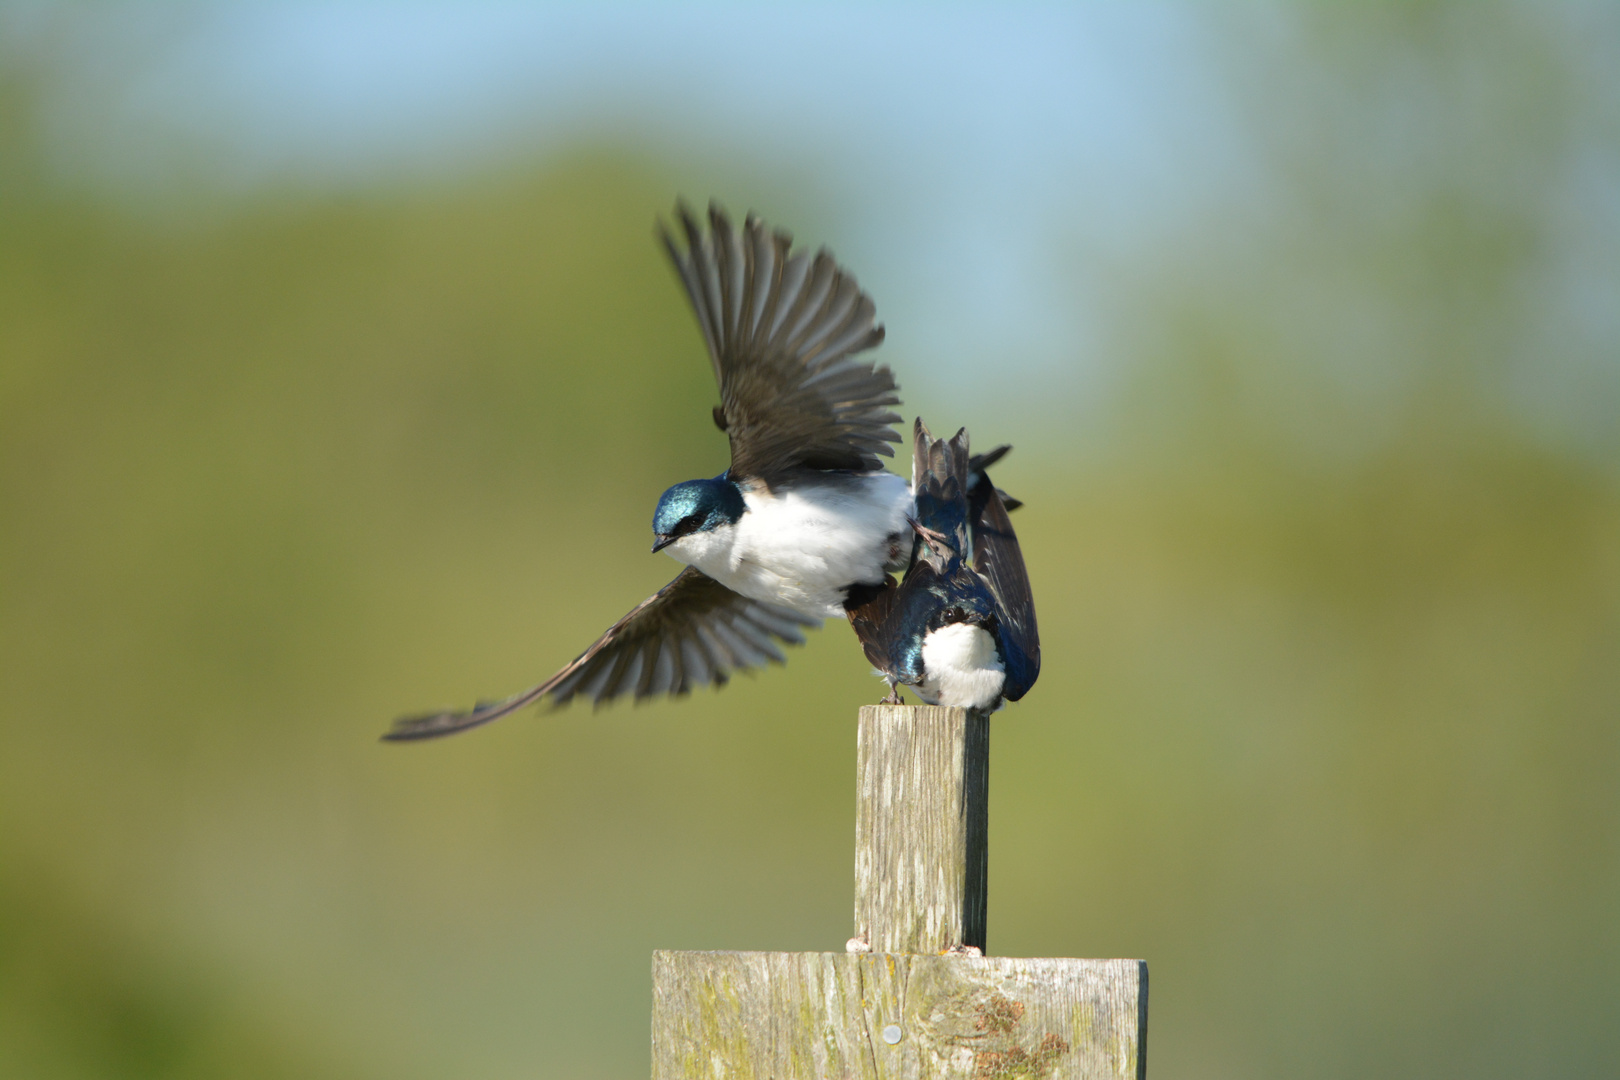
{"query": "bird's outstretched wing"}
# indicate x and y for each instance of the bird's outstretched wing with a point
(692, 631)
(784, 330)
(997, 556)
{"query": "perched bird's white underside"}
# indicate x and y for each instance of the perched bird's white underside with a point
(961, 668)
(803, 545)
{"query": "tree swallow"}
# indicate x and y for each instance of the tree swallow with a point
(805, 521)
(959, 629)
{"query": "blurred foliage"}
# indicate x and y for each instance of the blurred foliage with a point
(1328, 730)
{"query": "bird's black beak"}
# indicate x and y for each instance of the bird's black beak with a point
(662, 541)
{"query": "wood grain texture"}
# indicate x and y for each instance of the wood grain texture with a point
(921, 828)
(874, 1016)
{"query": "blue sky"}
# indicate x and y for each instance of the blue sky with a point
(962, 155)
(981, 169)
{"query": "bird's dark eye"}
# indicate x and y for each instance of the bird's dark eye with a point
(955, 614)
(688, 525)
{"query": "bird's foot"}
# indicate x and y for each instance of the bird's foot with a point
(893, 697)
(963, 950)
(858, 945)
(936, 539)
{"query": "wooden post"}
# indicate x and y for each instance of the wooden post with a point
(909, 1009)
(921, 828)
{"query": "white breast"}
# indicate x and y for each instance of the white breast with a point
(803, 545)
(961, 668)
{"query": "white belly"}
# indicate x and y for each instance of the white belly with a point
(961, 668)
(802, 546)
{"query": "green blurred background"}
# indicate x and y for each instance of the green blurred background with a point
(1318, 426)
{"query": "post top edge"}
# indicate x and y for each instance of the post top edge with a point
(847, 957)
(919, 711)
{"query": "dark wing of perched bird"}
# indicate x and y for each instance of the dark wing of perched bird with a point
(784, 330)
(997, 556)
(692, 631)
(977, 493)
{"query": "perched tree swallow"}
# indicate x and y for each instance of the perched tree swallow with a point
(805, 521)
(959, 629)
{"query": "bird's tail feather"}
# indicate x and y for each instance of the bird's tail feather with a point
(940, 481)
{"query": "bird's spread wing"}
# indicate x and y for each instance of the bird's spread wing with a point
(691, 632)
(785, 330)
(997, 556)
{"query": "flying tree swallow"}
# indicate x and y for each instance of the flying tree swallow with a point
(959, 629)
(804, 523)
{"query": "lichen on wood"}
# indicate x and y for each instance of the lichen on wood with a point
(807, 1016)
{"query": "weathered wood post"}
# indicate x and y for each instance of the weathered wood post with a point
(922, 822)
(921, 1004)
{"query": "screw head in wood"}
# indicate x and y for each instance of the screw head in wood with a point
(891, 1034)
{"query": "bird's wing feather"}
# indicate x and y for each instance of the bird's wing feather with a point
(889, 622)
(784, 330)
(870, 619)
(692, 631)
(976, 467)
(997, 556)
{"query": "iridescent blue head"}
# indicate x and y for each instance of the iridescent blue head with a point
(696, 506)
